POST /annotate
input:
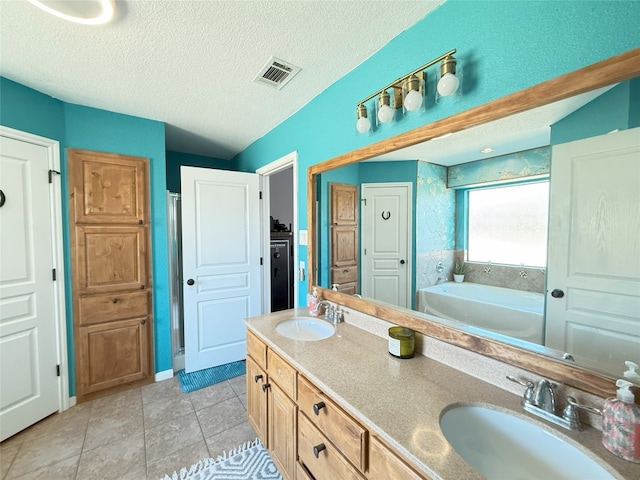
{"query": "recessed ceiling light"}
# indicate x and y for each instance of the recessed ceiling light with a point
(487, 150)
(87, 12)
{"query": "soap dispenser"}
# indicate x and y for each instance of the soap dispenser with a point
(312, 302)
(621, 424)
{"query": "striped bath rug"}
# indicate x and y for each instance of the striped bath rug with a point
(247, 462)
(190, 382)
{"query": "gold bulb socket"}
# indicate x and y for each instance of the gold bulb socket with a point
(384, 99)
(448, 65)
(362, 111)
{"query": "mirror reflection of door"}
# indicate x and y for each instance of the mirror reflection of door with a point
(386, 233)
(344, 237)
(593, 293)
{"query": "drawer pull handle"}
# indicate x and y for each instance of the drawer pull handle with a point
(317, 407)
(318, 448)
(115, 300)
(257, 377)
(265, 386)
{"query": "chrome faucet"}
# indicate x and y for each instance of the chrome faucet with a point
(540, 400)
(332, 313)
(544, 396)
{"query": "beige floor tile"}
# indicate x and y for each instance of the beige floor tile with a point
(183, 458)
(57, 441)
(75, 418)
(63, 470)
(116, 460)
(221, 416)
(239, 384)
(205, 397)
(117, 402)
(8, 451)
(233, 437)
(161, 390)
(118, 425)
(165, 410)
(169, 437)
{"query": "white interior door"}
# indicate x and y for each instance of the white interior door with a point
(221, 263)
(593, 283)
(386, 249)
(29, 383)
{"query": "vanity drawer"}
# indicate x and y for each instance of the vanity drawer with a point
(282, 373)
(256, 349)
(345, 433)
(344, 274)
(384, 463)
(116, 306)
(329, 464)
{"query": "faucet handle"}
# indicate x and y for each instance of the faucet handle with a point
(529, 392)
(570, 413)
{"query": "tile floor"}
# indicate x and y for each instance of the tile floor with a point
(142, 433)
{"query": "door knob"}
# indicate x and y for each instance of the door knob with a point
(557, 293)
(402, 262)
(190, 282)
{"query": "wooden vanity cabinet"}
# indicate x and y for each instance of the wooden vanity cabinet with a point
(271, 409)
(308, 435)
(385, 464)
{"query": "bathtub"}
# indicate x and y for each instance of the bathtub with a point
(506, 311)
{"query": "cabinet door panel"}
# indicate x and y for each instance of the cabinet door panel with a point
(257, 400)
(108, 188)
(344, 204)
(113, 354)
(344, 246)
(110, 259)
(282, 431)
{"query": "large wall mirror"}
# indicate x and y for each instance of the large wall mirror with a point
(436, 167)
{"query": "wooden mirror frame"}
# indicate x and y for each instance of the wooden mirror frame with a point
(612, 70)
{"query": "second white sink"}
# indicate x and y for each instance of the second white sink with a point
(306, 329)
(499, 445)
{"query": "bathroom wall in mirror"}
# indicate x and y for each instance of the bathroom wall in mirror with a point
(540, 210)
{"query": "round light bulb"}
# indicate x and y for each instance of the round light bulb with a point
(448, 84)
(385, 113)
(363, 125)
(413, 100)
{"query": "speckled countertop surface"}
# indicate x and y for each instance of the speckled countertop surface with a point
(402, 400)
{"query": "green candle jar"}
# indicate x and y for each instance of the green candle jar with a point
(402, 342)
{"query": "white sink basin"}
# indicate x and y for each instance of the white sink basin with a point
(499, 446)
(307, 329)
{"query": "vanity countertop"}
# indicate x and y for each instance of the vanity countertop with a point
(401, 400)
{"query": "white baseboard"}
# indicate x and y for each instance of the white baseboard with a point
(164, 375)
(72, 401)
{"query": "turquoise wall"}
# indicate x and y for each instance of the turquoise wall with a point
(616, 109)
(505, 46)
(176, 159)
(76, 126)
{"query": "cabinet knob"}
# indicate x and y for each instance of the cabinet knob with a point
(140, 222)
(115, 300)
(317, 407)
(142, 287)
(142, 322)
(318, 448)
(257, 377)
(265, 386)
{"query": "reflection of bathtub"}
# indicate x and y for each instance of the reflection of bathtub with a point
(510, 312)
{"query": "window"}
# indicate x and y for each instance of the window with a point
(508, 225)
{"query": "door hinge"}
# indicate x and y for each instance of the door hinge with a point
(365, 251)
(51, 172)
(53, 274)
(261, 261)
(58, 370)
(364, 200)
(260, 195)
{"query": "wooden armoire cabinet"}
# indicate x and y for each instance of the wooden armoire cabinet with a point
(344, 237)
(110, 265)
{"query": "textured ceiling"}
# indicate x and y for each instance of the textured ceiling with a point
(191, 64)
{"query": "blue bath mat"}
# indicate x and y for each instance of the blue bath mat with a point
(190, 382)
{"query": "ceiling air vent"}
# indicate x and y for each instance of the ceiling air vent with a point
(276, 73)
